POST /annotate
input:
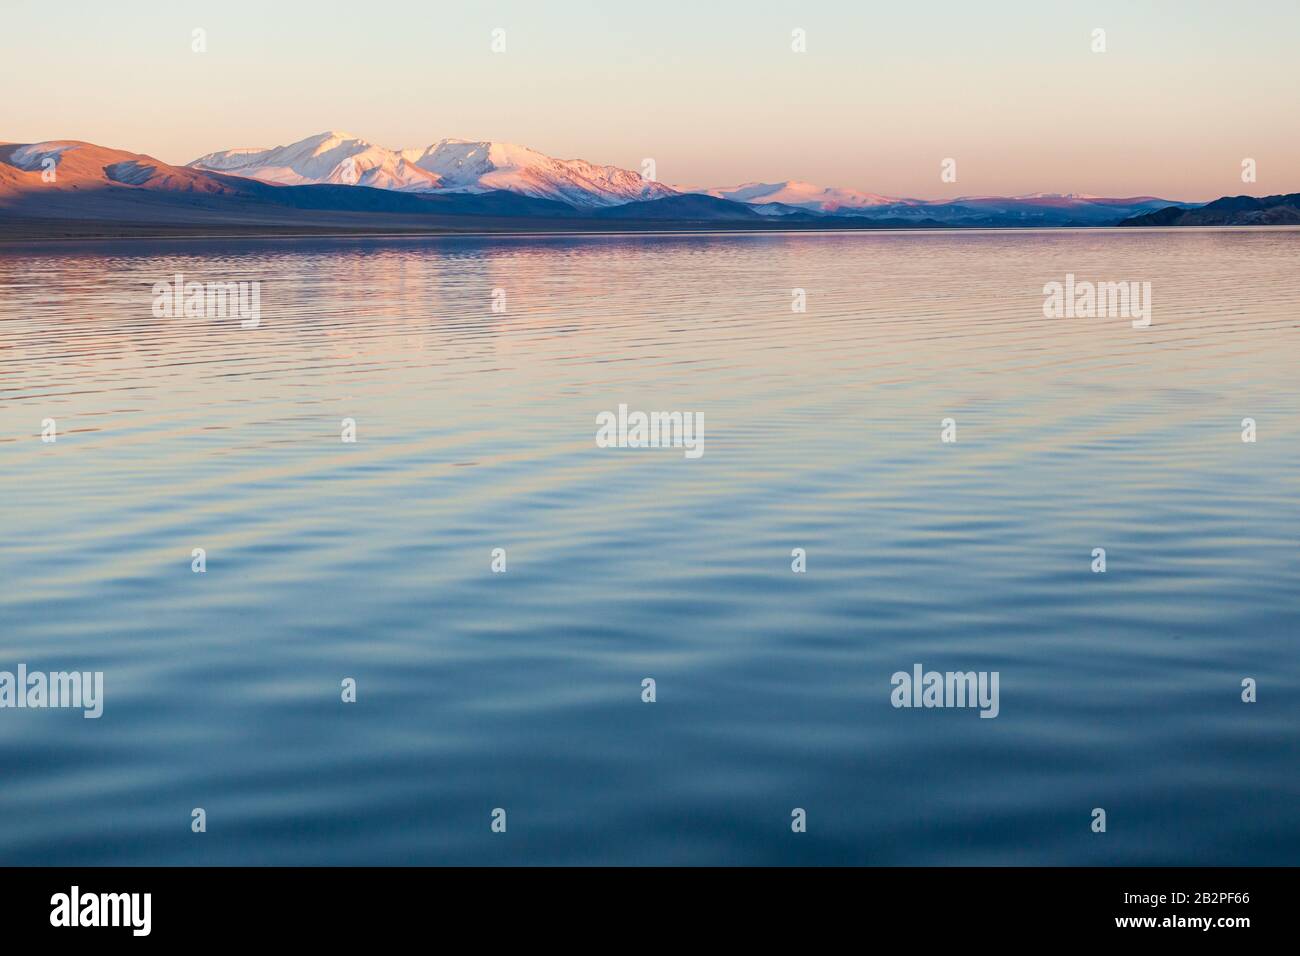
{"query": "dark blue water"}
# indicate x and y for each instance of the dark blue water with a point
(523, 690)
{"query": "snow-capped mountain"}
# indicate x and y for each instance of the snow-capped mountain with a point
(469, 166)
(829, 199)
(450, 165)
(327, 158)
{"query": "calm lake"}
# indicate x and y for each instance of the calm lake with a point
(522, 690)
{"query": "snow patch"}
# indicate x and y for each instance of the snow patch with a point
(33, 156)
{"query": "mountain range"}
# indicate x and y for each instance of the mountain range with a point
(463, 166)
(336, 182)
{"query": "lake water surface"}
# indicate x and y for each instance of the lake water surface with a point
(523, 690)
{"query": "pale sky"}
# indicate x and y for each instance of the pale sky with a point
(711, 90)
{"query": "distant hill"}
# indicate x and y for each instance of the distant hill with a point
(1035, 209)
(1281, 210)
